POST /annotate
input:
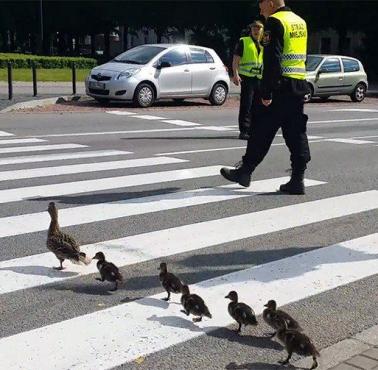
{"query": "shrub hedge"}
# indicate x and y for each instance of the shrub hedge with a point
(25, 60)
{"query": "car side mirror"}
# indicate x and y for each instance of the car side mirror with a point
(163, 64)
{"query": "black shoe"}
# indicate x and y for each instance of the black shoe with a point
(239, 176)
(295, 186)
(243, 136)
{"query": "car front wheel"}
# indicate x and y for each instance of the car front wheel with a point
(308, 97)
(359, 93)
(144, 95)
(218, 94)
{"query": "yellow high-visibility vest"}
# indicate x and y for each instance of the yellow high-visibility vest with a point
(251, 62)
(295, 44)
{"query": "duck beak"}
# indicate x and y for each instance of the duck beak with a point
(266, 305)
(227, 296)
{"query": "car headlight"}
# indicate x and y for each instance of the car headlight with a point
(127, 74)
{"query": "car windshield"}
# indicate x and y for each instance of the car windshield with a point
(312, 62)
(139, 55)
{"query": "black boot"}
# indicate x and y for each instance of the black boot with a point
(239, 175)
(296, 185)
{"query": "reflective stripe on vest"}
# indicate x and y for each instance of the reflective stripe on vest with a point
(251, 62)
(295, 44)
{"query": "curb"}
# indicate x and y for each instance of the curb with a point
(40, 103)
(343, 350)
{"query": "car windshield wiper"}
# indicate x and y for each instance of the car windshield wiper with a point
(126, 61)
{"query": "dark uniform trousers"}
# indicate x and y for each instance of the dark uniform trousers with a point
(248, 90)
(285, 112)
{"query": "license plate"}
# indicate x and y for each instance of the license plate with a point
(96, 85)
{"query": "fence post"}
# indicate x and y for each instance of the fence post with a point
(34, 72)
(73, 78)
(10, 81)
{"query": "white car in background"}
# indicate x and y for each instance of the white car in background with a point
(151, 72)
(329, 75)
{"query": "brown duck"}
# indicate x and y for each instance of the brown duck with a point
(296, 342)
(64, 246)
(193, 304)
(274, 317)
(108, 271)
(170, 282)
(241, 312)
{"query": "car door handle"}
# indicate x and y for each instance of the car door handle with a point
(186, 70)
(341, 78)
(212, 68)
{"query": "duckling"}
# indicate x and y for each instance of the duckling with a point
(242, 313)
(170, 282)
(273, 317)
(296, 342)
(64, 246)
(108, 271)
(193, 304)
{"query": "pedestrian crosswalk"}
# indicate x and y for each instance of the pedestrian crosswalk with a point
(126, 330)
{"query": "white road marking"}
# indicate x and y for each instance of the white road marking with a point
(120, 112)
(4, 133)
(354, 110)
(345, 120)
(27, 223)
(179, 122)
(59, 157)
(21, 141)
(350, 141)
(85, 186)
(182, 239)
(102, 342)
(148, 117)
(39, 148)
(87, 167)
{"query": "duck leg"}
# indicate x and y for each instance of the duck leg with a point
(100, 279)
(61, 265)
(197, 319)
(185, 312)
(238, 330)
(167, 298)
(271, 335)
(290, 352)
(314, 363)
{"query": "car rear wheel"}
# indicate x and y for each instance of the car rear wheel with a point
(144, 95)
(218, 94)
(359, 93)
(308, 97)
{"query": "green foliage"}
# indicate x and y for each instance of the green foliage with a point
(26, 60)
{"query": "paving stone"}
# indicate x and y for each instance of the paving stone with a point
(362, 362)
(344, 367)
(372, 353)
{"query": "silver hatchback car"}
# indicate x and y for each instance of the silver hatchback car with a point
(329, 75)
(151, 72)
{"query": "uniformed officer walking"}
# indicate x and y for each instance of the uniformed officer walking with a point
(283, 88)
(247, 68)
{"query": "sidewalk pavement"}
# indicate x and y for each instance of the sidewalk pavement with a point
(359, 352)
(23, 91)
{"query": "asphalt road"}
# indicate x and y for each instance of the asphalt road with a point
(36, 301)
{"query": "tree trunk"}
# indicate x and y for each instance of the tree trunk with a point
(93, 45)
(125, 37)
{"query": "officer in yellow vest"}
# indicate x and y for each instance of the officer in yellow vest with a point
(283, 88)
(247, 71)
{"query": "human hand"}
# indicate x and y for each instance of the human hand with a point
(266, 102)
(236, 80)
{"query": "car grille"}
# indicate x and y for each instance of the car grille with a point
(101, 78)
(99, 91)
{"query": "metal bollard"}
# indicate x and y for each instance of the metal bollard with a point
(10, 82)
(73, 79)
(34, 72)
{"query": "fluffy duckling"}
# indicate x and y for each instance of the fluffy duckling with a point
(273, 318)
(193, 304)
(242, 313)
(296, 342)
(108, 271)
(170, 282)
(64, 246)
